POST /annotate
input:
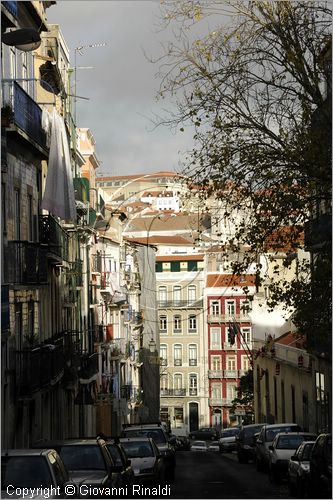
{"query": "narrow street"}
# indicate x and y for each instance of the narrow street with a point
(211, 475)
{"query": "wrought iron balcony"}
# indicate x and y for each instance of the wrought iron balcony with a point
(53, 235)
(26, 263)
(192, 362)
(172, 392)
(219, 402)
(230, 347)
(38, 367)
(215, 373)
(177, 362)
(89, 367)
(226, 318)
(230, 374)
(193, 391)
(164, 362)
(174, 304)
(26, 114)
(130, 392)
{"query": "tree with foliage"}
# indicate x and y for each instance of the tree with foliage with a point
(245, 397)
(250, 88)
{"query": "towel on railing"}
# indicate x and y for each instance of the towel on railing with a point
(59, 197)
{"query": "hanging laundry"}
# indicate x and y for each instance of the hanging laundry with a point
(59, 198)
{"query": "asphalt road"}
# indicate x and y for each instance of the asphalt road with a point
(212, 475)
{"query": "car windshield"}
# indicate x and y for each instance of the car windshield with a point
(289, 442)
(80, 457)
(230, 433)
(25, 471)
(157, 434)
(138, 449)
(271, 433)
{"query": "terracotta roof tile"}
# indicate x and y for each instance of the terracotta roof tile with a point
(225, 280)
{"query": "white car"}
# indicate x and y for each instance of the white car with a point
(214, 446)
(299, 469)
(227, 441)
(146, 460)
(282, 448)
(199, 446)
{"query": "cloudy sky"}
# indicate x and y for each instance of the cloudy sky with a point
(122, 86)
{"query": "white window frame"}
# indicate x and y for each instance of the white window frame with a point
(163, 320)
(215, 307)
(216, 390)
(192, 293)
(231, 362)
(177, 319)
(232, 391)
(216, 363)
(192, 323)
(215, 339)
(230, 307)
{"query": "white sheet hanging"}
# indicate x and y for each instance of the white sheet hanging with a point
(59, 198)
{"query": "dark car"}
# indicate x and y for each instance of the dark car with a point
(320, 478)
(162, 440)
(88, 461)
(246, 441)
(121, 462)
(38, 468)
(183, 443)
(205, 433)
(227, 441)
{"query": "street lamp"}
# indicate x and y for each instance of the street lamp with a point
(152, 345)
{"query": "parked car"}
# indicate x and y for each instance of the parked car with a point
(282, 448)
(299, 469)
(199, 446)
(320, 478)
(227, 441)
(246, 442)
(265, 439)
(88, 461)
(214, 446)
(162, 440)
(38, 468)
(205, 433)
(147, 462)
(121, 462)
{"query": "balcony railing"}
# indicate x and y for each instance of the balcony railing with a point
(38, 367)
(164, 362)
(230, 347)
(53, 235)
(219, 402)
(174, 304)
(192, 362)
(193, 391)
(177, 362)
(173, 392)
(226, 318)
(26, 263)
(26, 114)
(130, 391)
(89, 367)
(230, 373)
(215, 373)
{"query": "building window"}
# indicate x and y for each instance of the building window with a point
(231, 392)
(215, 338)
(164, 414)
(216, 391)
(163, 323)
(231, 363)
(166, 266)
(178, 382)
(192, 323)
(191, 294)
(193, 384)
(162, 295)
(215, 363)
(17, 215)
(192, 355)
(177, 324)
(230, 307)
(215, 307)
(177, 294)
(245, 306)
(246, 365)
(164, 354)
(177, 354)
(246, 337)
(179, 417)
(164, 383)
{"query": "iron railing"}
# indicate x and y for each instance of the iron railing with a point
(173, 392)
(53, 235)
(11, 6)
(26, 114)
(26, 263)
(173, 304)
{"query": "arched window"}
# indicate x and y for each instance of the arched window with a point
(192, 355)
